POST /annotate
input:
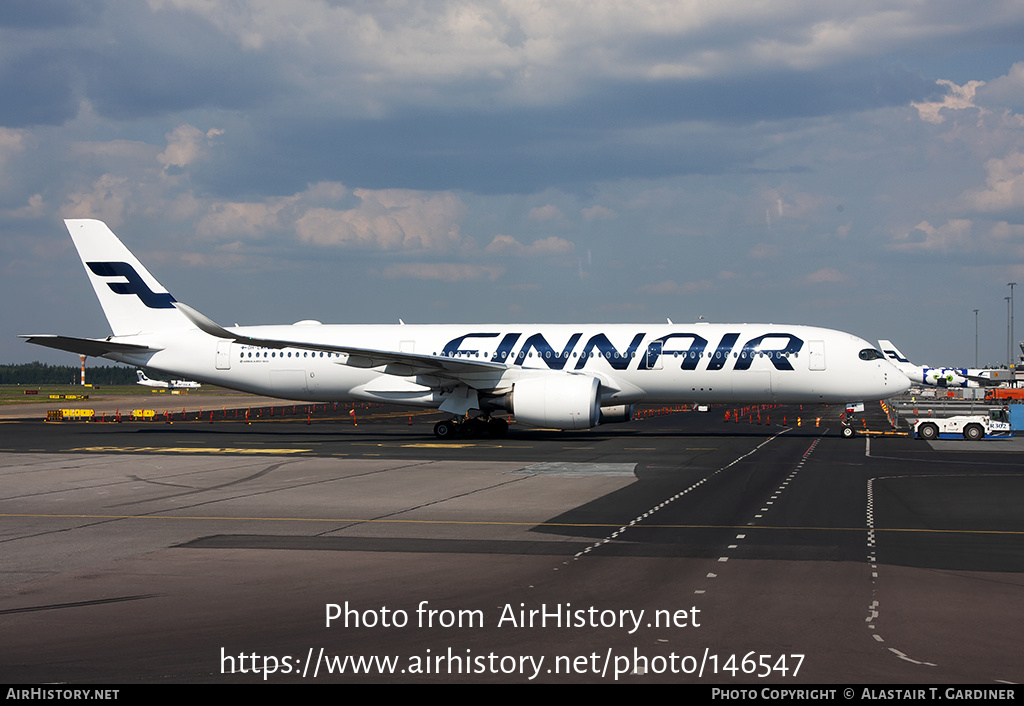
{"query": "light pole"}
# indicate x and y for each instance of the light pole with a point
(975, 338)
(1009, 360)
(1011, 285)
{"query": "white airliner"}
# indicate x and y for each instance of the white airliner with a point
(943, 377)
(173, 384)
(554, 376)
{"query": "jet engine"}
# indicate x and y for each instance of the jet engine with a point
(557, 401)
(617, 413)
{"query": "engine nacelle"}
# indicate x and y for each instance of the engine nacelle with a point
(616, 414)
(558, 401)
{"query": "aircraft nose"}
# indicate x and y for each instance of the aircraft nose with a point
(895, 380)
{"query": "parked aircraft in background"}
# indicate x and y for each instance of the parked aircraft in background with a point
(568, 376)
(173, 384)
(943, 377)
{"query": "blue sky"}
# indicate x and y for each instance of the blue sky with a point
(855, 165)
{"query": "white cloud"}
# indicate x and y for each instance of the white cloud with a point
(550, 212)
(1008, 238)
(390, 219)
(128, 154)
(36, 208)
(826, 274)
(387, 219)
(186, 144)
(965, 238)
(1005, 90)
(958, 98)
(599, 213)
(1005, 185)
(545, 247)
(670, 287)
(442, 271)
(361, 55)
(691, 168)
(12, 142)
(247, 219)
(107, 199)
(789, 203)
(955, 235)
(763, 251)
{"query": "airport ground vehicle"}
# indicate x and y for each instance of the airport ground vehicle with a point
(967, 426)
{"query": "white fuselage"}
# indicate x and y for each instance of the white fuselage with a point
(657, 363)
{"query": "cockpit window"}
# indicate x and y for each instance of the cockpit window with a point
(871, 354)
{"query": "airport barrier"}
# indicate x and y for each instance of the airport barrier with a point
(77, 415)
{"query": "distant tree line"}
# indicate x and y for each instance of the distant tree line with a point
(43, 374)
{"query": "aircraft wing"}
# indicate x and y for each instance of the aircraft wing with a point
(392, 362)
(85, 346)
(982, 380)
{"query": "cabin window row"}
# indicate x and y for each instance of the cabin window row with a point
(547, 354)
(288, 354)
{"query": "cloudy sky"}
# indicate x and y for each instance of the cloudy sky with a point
(857, 165)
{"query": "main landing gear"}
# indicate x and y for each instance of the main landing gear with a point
(470, 427)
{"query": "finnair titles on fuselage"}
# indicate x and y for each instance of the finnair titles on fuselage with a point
(559, 376)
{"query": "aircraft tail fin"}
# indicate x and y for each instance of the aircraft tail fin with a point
(892, 353)
(132, 299)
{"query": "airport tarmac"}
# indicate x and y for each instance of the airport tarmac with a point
(676, 548)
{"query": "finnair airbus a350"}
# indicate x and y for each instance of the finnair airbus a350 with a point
(556, 376)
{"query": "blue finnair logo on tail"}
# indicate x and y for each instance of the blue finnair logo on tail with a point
(134, 285)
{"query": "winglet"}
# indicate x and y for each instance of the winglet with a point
(204, 323)
(207, 325)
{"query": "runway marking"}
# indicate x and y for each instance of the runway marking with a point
(187, 450)
(775, 495)
(649, 526)
(872, 546)
(437, 446)
(873, 609)
(555, 468)
(78, 604)
(636, 520)
(903, 656)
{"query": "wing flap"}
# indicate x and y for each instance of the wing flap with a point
(85, 346)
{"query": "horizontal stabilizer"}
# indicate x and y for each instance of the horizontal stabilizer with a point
(85, 346)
